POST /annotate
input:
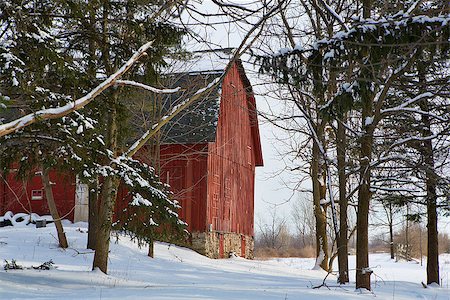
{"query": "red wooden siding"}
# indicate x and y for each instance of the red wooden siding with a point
(231, 162)
(17, 196)
(184, 167)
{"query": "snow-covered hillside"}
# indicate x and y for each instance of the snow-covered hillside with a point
(179, 273)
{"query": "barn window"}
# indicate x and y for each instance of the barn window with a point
(37, 195)
(215, 205)
(227, 188)
(216, 179)
(227, 210)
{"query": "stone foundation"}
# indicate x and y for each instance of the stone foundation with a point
(210, 244)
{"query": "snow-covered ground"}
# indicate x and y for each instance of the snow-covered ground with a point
(179, 273)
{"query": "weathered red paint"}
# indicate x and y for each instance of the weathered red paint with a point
(16, 195)
(231, 160)
(243, 246)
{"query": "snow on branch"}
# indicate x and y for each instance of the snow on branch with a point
(413, 6)
(335, 15)
(413, 138)
(147, 87)
(407, 102)
(418, 111)
(57, 112)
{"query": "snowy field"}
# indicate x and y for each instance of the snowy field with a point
(178, 273)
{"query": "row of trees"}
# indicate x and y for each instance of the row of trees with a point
(366, 87)
(397, 228)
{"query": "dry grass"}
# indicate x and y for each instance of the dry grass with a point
(266, 253)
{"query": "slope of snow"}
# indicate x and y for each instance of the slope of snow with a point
(179, 273)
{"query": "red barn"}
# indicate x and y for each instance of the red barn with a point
(208, 155)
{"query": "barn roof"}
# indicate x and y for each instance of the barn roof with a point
(198, 123)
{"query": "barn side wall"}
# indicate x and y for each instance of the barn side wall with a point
(29, 196)
(184, 168)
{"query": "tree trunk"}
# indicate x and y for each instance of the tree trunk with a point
(108, 194)
(53, 210)
(105, 216)
(432, 219)
(407, 232)
(431, 182)
(319, 193)
(342, 242)
(362, 220)
(93, 213)
(364, 195)
(432, 238)
(391, 232)
(151, 249)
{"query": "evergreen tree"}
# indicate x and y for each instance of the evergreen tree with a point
(54, 52)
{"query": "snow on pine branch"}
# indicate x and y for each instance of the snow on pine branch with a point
(141, 180)
(57, 112)
(389, 26)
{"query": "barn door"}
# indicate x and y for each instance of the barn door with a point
(242, 246)
(220, 245)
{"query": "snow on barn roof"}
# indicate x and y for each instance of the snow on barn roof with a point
(204, 61)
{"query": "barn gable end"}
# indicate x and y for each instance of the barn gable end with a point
(231, 172)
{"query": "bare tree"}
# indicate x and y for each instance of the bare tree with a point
(273, 232)
(304, 222)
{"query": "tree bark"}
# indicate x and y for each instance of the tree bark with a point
(391, 232)
(431, 198)
(319, 193)
(93, 213)
(427, 154)
(105, 216)
(108, 194)
(364, 195)
(432, 238)
(151, 249)
(53, 210)
(342, 242)
(362, 220)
